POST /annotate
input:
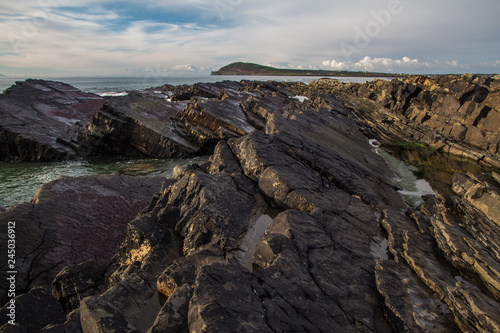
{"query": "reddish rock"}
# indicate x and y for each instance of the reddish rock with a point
(72, 220)
(40, 120)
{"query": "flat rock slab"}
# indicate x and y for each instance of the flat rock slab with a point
(71, 220)
(40, 120)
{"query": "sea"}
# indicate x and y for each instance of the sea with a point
(19, 181)
(109, 85)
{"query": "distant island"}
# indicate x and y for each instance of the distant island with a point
(245, 68)
(1, 75)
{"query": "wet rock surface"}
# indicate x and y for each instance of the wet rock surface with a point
(41, 120)
(72, 220)
(343, 251)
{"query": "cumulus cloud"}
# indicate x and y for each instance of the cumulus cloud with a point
(403, 65)
(185, 67)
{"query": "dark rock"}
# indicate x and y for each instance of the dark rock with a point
(73, 283)
(16, 328)
(184, 271)
(137, 125)
(34, 310)
(215, 119)
(147, 123)
(205, 90)
(71, 325)
(131, 297)
(315, 153)
(242, 308)
(148, 248)
(72, 220)
(279, 172)
(40, 120)
(173, 315)
(209, 204)
(343, 251)
(97, 315)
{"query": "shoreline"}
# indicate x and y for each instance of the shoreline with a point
(341, 245)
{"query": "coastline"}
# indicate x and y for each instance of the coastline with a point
(106, 84)
(341, 239)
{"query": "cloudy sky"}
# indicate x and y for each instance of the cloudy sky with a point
(108, 37)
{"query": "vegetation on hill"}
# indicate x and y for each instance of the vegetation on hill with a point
(244, 68)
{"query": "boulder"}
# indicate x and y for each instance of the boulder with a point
(41, 120)
(138, 124)
(73, 283)
(173, 315)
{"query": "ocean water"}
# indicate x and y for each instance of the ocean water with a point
(19, 181)
(108, 84)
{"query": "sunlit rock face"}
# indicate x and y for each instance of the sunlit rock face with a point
(459, 114)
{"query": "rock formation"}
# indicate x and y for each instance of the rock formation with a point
(40, 120)
(69, 221)
(343, 252)
(170, 121)
(455, 114)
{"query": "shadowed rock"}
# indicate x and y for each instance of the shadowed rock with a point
(72, 220)
(41, 119)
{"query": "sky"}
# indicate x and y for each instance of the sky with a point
(165, 37)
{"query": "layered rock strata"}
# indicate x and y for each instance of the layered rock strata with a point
(343, 251)
(451, 113)
(175, 121)
(41, 119)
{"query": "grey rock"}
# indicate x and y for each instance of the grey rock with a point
(41, 120)
(173, 315)
(97, 315)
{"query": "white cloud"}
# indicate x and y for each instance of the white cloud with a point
(85, 37)
(338, 65)
(408, 65)
(185, 67)
(405, 64)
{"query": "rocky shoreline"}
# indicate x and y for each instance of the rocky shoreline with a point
(342, 250)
